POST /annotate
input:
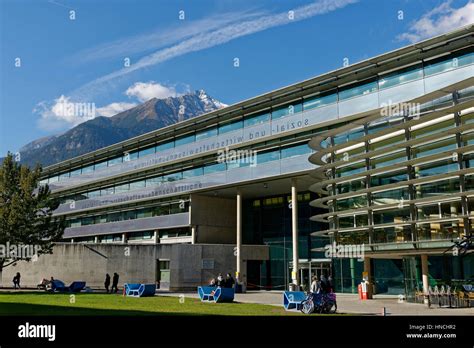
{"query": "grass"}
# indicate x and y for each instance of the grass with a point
(40, 303)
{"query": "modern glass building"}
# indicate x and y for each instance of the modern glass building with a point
(389, 167)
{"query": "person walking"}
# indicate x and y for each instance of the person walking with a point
(107, 282)
(115, 281)
(315, 285)
(16, 281)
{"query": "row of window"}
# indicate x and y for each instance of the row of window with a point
(398, 195)
(261, 157)
(159, 210)
(400, 234)
(406, 75)
(435, 211)
(134, 236)
(398, 136)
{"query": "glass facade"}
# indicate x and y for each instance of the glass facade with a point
(398, 188)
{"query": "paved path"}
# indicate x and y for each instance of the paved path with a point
(349, 303)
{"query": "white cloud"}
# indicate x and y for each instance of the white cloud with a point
(63, 112)
(161, 37)
(440, 20)
(144, 91)
(114, 108)
(215, 37)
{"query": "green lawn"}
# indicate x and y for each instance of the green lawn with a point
(28, 303)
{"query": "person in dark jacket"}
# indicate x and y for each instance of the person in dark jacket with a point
(220, 280)
(16, 280)
(107, 282)
(229, 281)
(115, 281)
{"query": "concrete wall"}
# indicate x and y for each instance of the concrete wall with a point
(134, 263)
(215, 219)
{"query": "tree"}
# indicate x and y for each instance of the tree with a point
(27, 227)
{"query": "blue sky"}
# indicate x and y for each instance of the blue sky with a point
(82, 59)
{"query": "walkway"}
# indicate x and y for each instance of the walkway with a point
(349, 303)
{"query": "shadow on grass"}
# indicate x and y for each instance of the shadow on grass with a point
(28, 309)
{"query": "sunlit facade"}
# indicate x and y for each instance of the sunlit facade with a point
(399, 182)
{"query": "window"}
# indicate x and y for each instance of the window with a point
(212, 168)
(64, 176)
(286, 110)
(440, 167)
(158, 180)
(318, 101)
(88, 169)
(268, 156)
(387, 160)
(146, 152)
(229, 127)
(185, 140)
(351, 203)
(114, 161)
(130, 156)
(192, 173)
(210, 132)
(448, 63)
(401, 76)
(164, 146)
(256, 119)
(173, 177)
(135, 185)
(349, 92)
(76, 172)
(100, 165)
(398, 215)
(390, 196)
(93, 194)
(295, 150)
(144, 213)
(122, 188)
(107, 191)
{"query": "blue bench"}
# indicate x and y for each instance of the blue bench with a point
(77, 286)
(59, 286)
(140, 290)
(292, 299)
(215, 294)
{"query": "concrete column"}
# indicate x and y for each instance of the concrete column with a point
(124, 238)
(193, 235)
(368, 271)
(156, 236)
(424, 277)
(96, 239)
(72, 240)
(238, 275)
(294, 229)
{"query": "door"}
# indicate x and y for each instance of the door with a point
(163, 274)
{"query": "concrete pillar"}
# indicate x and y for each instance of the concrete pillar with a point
(424, 277)
(156, 236)
(96, 240)
(124, 238)
(193, 235)
(368, 272)
(238, 274)
(72, 240)
(294, 230)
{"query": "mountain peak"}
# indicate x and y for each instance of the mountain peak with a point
(104, 131)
